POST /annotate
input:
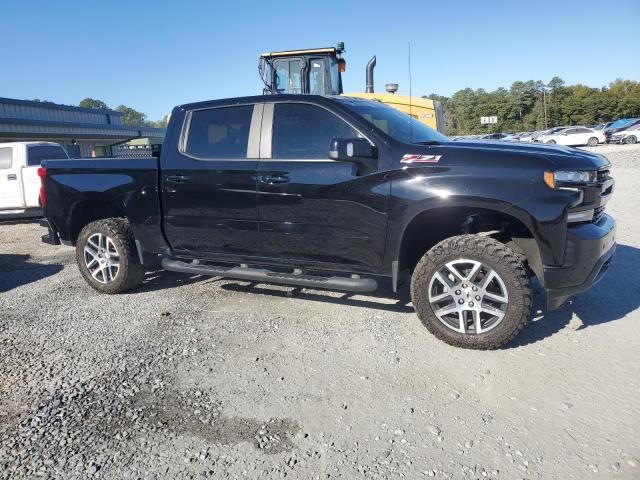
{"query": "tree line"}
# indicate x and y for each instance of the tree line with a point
(535, 105)
(130, 116)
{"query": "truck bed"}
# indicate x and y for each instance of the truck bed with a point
(79, 189)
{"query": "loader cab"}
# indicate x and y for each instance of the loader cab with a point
(314, 71)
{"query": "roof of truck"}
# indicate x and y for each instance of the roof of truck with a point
(268, 98)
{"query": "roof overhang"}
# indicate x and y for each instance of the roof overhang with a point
(293, 53)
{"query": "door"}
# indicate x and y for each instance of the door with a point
(73, 149)
(209, 183)
(10, 186)
(582, 136)
(312, 209)
(566, 137)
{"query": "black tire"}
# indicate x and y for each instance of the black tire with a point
(496, 256)
(130, 273)
(592, 142)
(551, 142)
(631, 139)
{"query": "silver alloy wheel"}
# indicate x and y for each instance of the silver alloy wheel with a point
(101, 258)
(468, 296)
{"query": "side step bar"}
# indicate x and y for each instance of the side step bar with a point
(346, 284)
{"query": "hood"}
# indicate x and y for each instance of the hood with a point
(562, 158)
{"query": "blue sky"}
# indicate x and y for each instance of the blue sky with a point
(153, 55)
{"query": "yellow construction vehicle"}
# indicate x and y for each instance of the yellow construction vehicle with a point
(319, 71)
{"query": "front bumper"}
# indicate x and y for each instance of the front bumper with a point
(590, 248)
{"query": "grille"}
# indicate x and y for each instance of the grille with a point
(598, 213)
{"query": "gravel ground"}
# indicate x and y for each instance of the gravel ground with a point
(191, 377)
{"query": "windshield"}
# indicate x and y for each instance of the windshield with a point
(394, 123)
(621, 123)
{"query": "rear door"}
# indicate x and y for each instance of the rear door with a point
(567, 137)
(209, 183)
(582, 136)
(10, 183)
(314, 210)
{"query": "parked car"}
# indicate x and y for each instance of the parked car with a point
(620, 125)
(599, 126)
(494, 136)
(343, 193)
(574, 136)
(630, 135)
(531, 136)
(512, 137)
(19, 182)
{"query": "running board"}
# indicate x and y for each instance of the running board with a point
(346, 284)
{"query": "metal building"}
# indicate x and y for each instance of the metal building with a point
(81, 131)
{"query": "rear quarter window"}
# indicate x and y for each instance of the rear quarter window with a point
(37, 153)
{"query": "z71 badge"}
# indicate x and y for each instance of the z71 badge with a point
(413, 158)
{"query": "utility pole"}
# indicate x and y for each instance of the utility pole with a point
(544, 105)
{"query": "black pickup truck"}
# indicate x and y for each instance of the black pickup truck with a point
(342, 194)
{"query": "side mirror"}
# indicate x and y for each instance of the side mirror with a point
(352, 150)
(356, 150)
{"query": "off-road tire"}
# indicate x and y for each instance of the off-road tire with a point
(493, 254)
(592, 142)
(131, 271)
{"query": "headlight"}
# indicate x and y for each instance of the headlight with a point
(569, 178)
(583, 216)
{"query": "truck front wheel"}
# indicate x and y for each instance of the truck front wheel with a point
(472, 291)
(107, 258)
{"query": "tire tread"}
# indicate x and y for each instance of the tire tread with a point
(483, 247)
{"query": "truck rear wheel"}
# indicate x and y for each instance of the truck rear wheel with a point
(107, 258)
(472, 291)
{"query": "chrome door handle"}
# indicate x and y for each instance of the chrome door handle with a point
(12, 176)
(176, 178)
(273, 179)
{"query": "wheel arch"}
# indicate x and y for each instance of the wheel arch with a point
(429, 227)
(89, 210)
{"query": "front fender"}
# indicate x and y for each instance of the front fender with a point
(445, 196)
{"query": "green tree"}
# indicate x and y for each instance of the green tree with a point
(131, 116)
(158, 123)
(534, 105)
(94, 104)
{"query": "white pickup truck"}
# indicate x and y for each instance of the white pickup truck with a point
(19, 182)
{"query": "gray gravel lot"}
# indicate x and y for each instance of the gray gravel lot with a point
(192, 377)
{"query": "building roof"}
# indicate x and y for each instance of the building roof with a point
(51, 105)
(41, 120)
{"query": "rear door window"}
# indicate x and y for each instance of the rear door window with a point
(37, 153)
(219, 133)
